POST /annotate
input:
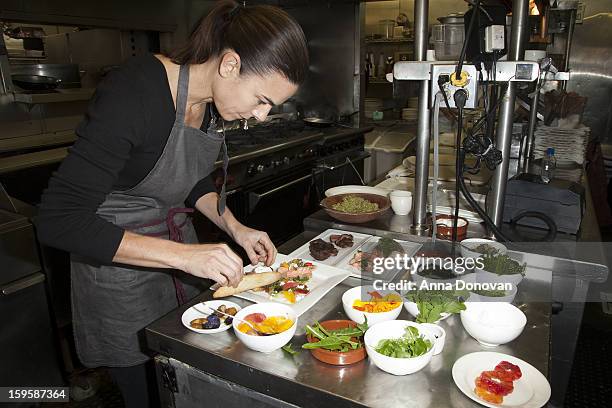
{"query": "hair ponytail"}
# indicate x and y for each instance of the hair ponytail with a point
(266, 38)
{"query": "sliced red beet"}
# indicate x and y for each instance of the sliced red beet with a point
(255, 317)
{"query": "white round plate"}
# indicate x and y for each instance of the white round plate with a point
(355, 189)
(532, 390)
(192, 313)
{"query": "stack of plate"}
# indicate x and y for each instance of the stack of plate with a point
(409, 114)
(413, 102)
(372, 105)
(569, 144)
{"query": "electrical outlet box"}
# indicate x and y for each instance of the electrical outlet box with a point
(494, 38)
(446, 71)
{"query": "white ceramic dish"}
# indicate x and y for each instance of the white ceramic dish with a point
(355, 189)
(493, 323)
(303, 252)
(401, 201)
(192, 313)
(395, 329)
(361, 293)
(467, 247)
(266, 344)
(324, 278)
(532, 390)
(440, 335)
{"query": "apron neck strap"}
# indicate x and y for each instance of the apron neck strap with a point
(182, 92)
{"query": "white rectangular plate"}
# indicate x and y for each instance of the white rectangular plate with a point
(410, 247)
(303, 252)
(324, 278)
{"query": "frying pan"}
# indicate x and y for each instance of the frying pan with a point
(318, 122)
(35, 82)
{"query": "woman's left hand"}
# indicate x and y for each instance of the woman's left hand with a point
(257, 245)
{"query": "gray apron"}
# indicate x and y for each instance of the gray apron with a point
(111, 304)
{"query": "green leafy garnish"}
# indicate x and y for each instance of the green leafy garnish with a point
(432, 303)
(342, 340)
(502, 265)
(411, 344)
(388, 246)
(288, 348)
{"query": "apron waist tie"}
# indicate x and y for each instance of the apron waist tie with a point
(174, 234)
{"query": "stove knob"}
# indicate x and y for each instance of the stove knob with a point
(286, 160)
(251, 169)
(260, 168)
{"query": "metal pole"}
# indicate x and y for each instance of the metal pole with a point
(520, 12)
(533, 120)
(568, 44)
(419, 212)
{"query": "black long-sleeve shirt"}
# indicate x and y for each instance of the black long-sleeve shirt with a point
(124, 132)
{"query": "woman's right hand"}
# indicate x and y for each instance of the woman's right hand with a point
(213, 261)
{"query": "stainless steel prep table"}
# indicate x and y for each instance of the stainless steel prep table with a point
(202, 363)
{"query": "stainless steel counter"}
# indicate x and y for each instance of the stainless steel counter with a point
(304, 381)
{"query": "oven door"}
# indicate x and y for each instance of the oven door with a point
(279, 206)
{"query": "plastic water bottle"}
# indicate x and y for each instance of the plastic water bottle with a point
(549, 164)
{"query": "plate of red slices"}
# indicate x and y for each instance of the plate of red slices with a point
(500, 380)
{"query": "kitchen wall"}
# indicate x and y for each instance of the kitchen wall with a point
(381, 10)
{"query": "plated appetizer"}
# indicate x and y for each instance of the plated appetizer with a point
(321, 250)
(385, 248)
(411, 344)
(493, 386)
(215, 320)
(293, 285)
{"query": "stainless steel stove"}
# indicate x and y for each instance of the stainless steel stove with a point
(279, 171)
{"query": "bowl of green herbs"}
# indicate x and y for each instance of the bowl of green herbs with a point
(500, 269)
(399, 347)
(336, 342)
(433, 306)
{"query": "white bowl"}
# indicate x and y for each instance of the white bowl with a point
(467, 247)
(508, 298)
(483, 276)
(266, 344)
(413, 309)
(395, 329)
(352, 189)
(418, 279)
(401, 201)
(360, 293)
(493, 323)
(440, 335)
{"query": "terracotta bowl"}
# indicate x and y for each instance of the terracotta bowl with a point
(383, 206)
(337, 357)
(445, 230)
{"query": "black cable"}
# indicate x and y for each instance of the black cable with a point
(476, 11)
(460, 96)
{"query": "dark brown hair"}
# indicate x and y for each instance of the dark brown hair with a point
(267, 39)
